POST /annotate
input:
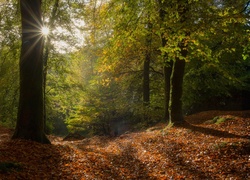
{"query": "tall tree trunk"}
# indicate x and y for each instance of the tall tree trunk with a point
(146, 72)
(168, 65)
(175, 106)
(146, 88)
(30, 118)
(146, 67)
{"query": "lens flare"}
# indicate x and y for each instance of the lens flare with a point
(45, 31)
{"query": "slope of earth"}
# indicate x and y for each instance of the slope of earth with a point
(219, 149)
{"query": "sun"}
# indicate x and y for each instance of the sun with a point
(45, 31)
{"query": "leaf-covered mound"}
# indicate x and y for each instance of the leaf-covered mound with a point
(202, 151)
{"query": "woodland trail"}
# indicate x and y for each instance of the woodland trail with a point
(207, 148)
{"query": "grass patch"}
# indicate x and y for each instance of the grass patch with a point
(219, 119)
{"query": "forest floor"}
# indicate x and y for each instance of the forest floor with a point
(205, 148)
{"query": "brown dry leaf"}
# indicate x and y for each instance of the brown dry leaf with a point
(190, 151)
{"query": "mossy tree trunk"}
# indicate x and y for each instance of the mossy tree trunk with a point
(167, 71)
(178, 70)
(168, 64)
(175, 106)
(173, 69)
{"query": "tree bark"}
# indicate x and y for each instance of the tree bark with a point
(168, 65)
(167, 71)
(30, 118)
(146, 67)
(173, 69)
(146, 88)
(175, 106)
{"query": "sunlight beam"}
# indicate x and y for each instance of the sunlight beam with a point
(45, 31)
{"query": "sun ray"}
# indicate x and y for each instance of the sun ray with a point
(31, 47)
(45, 31)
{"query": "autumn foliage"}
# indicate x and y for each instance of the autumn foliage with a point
(205, 148)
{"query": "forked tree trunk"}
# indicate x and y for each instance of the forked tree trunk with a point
(173, 69)
(175, 106)
(30, 118)
(168, 65)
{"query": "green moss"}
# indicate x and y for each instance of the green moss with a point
(221, 119)
(220, 145)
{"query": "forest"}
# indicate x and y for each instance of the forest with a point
(124, 89)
